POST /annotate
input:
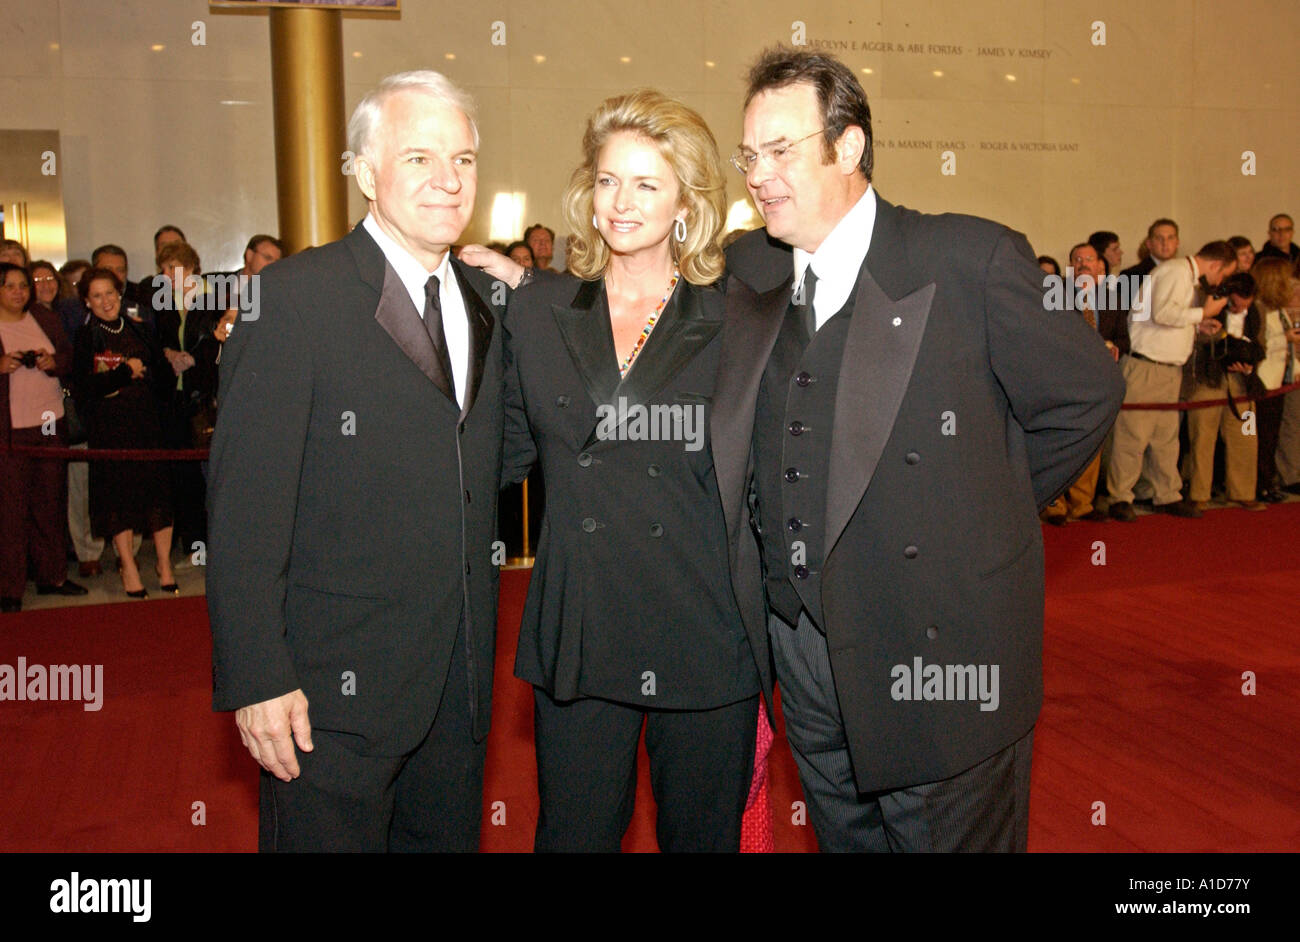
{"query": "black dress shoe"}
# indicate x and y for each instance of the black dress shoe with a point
(11, 605)
(1093, 516)
(1122, 511)
(1292, 488)
(137, 594)
(1179, 508)
(1056, 520)
(1272, 496)
(66, 587)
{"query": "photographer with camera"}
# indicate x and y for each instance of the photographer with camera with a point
(1163, 324)
(34, 353)
(1223, 366)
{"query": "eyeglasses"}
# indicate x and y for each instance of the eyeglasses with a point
(41, 279)
(777, 154)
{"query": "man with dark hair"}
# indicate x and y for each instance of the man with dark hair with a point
(1160, 245)
(1088, 270)
(165, 234)
(1245, 253)
(1162, 327)
(262, 250)
(1216, 377)
(541, 242)
(873, 345)
(1108, 250)
(1280, 230)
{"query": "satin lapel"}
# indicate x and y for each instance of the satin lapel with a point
(688, 322)
(587, 335)
(751, 324)
(876, 366)
(395, 313)
(481, 326)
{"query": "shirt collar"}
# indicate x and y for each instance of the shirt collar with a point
(413, 274)
(839, 258)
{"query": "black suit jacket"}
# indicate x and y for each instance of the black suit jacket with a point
(631, 574)
(352, 502)
(934, 549)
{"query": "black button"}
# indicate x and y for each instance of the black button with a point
(656, 529)
(796, 427)
(792, 474)
(912, 458)
(467, 497)
(461, 430)
(589, 524)
(804, 378)
(654, 471)
(584, 460)
(911, 552)
(562, 401)
(801, 572)
(932, 632)
(795, 524)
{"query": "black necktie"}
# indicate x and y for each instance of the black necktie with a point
(809, 292)
(433, 324)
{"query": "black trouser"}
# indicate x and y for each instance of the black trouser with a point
(985, 808)
(701, 763)
(429, 800)
(1268, 423)
(189, 488)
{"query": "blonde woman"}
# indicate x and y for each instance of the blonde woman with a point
(631, 619)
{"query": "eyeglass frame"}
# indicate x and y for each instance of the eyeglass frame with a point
(770, 152)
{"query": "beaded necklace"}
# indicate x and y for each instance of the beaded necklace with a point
(649, 326)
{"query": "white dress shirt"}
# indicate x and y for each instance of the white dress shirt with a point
(1162, 322)
(455, 319)
(838, 259)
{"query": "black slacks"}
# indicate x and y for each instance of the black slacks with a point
(701, 764)
(33, 515)
(429, 800)
(984, 808)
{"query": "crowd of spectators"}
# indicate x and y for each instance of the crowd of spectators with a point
(90, 358)
(1206, 342)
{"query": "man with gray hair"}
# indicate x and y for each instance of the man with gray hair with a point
(353, 504)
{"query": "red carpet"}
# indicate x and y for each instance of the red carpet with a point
(1144, 659)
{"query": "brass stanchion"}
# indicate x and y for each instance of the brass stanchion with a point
(526, 560)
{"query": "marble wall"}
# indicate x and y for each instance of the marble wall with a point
(1045, 126)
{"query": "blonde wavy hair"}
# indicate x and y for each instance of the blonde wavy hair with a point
(685, 142)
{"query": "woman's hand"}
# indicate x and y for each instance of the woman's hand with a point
(137, 367)
(494, 263)
(9, 362)
(1240, 368)
(44, 360)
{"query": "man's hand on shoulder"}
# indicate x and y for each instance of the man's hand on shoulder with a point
(269, 730)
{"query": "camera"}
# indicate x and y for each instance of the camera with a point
(28, 359)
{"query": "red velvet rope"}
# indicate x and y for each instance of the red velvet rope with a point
(201, 454)
(1206, 403)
